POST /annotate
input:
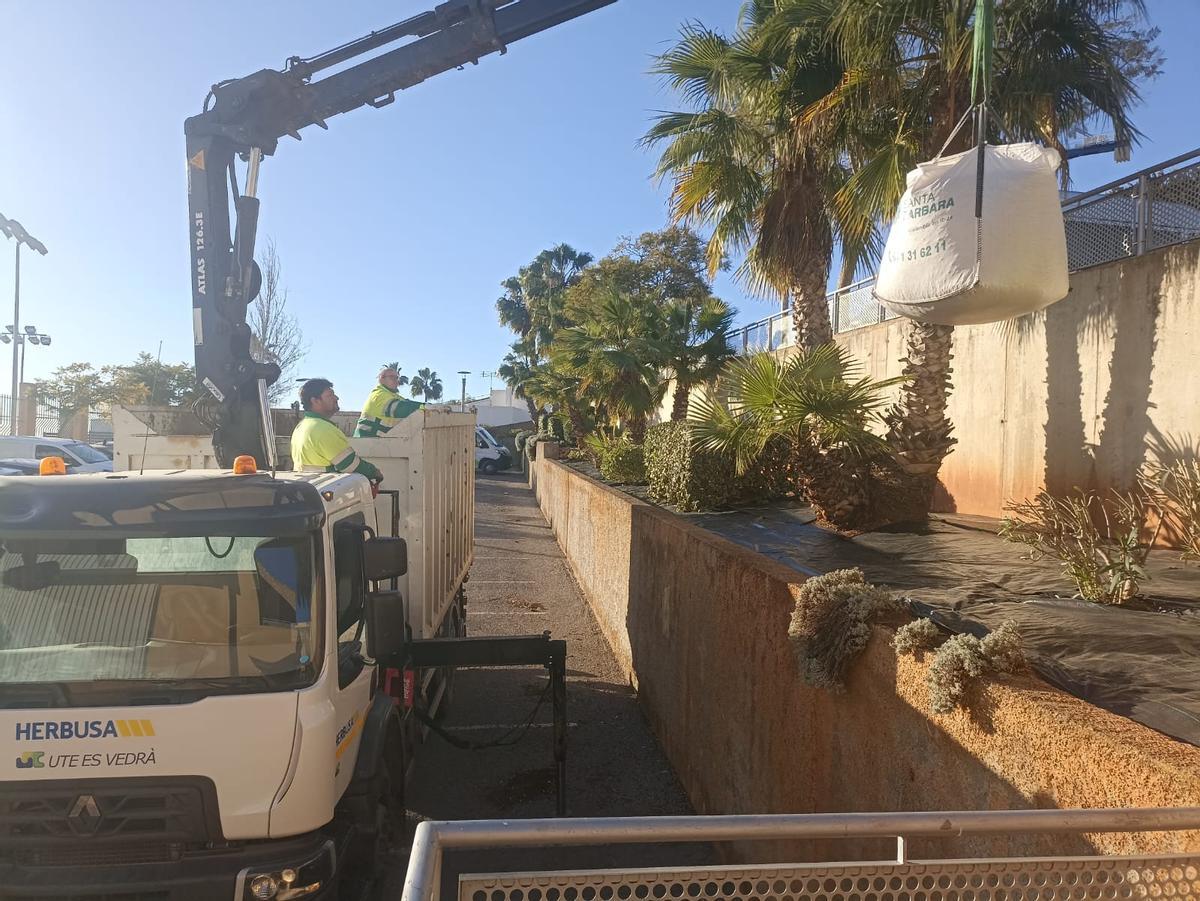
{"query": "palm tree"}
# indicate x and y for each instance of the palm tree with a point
(739, 163)
(1058, 66)
(533, 306)
(821, 406)
(617, 358)
(696, 345)
(426, 383)
(518, 372)
(552, 385)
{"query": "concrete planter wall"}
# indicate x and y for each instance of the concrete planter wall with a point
(700, 626)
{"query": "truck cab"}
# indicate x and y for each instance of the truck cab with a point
(186, 702)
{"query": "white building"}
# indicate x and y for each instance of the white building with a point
(502, 407)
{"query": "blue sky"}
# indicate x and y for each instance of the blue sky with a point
(396, 226)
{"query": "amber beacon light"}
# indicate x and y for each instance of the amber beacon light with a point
(52, 466)
(245, 465)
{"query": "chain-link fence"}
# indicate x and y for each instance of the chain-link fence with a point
(1150, 209)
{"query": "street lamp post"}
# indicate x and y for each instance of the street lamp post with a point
(29, 335)
(20, 342)
(11, 228)
(463, 404)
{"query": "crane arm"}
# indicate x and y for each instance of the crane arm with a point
(245, 118)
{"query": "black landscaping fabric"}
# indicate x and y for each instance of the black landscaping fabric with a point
(1142, 664)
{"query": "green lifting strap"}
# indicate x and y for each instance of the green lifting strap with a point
(981, 56)
(984, 38)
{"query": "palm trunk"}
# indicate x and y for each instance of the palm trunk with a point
(810, 308)
(679, 403)
(919, 431)
(533, 411)
(637, 429)
(578, 422)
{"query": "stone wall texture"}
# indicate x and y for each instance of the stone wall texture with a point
(700, 626)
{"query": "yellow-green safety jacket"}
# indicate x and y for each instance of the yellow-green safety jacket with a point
(318, 444)
(383, 409)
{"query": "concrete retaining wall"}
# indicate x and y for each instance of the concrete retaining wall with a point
(1078, 394)
(700, 626)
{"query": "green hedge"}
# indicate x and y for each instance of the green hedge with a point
(772, 476)
(683, 476)
(692, 479)
(623, 462)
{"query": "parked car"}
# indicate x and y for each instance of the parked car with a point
(19, 467)
(490, 455)
(79, 456)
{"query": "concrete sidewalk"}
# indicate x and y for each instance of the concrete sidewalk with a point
(520, 585)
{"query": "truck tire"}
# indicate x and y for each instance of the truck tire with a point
(380, 820)
(487, 467)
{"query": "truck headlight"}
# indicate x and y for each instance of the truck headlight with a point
(264, 887)
(287, 883)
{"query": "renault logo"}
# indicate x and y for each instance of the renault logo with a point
(85, 816)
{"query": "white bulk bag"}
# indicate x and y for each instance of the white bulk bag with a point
(942, 265)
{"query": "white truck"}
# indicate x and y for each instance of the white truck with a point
(188, 665)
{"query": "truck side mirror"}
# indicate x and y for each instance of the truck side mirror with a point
(385, 558)
(387, 623)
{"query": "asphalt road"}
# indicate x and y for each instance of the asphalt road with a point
(520, 584)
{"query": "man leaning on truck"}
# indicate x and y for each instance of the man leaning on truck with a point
(318, 444)
(384, 407)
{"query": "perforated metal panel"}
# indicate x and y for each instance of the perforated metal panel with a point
(1060, 879)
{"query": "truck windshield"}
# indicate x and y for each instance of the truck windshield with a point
(165, 610)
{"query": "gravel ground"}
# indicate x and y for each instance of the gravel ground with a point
(520, 585)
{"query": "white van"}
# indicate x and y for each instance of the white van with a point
(78, 456)
(490, 455)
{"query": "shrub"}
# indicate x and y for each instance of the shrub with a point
(1099, 541)
(1176, 487)
(533, 440)
(623, 462)
(772, 475)
(820, 406)
(683, 475)
(832, 624)
(917, 637)
(963, 661)
(520, 438)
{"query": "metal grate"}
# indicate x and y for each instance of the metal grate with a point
(1049, 879)
(855, 306)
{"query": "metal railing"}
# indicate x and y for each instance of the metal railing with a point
(1150, 209)
(47, 421)
(1153, 208)
(869, 881)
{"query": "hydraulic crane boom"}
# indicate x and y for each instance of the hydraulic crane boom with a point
(245, 118)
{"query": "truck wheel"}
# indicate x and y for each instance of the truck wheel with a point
(383, 820)
(487, 467)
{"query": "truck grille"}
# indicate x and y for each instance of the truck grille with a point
(101, 815)
(80, 854)
(108, 896)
